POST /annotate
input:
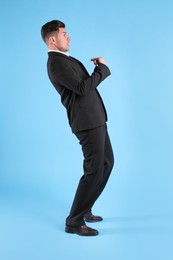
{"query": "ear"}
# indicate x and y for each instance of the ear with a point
(52, 40)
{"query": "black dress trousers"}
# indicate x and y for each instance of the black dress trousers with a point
(97, 165)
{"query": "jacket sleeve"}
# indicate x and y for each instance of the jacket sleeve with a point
(64, 74)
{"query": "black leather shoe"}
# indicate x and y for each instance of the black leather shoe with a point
(82, 231)
(89, 217)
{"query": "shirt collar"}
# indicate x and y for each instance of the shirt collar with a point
(65, 53)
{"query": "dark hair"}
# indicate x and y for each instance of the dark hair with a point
(51, 27)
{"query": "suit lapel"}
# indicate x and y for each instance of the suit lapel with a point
(79, 64)
(70, 58)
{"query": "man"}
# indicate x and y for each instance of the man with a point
(87, 118)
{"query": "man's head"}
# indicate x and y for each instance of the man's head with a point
(55, 36)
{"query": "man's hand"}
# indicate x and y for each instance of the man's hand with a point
(98, 60)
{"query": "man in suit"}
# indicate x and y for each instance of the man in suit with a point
(87, 118)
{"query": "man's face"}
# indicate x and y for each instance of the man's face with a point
(62, 40)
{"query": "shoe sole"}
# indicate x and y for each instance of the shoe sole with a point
(92, 221)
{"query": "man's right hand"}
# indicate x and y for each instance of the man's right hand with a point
(98, 60)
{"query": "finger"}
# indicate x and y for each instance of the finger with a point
(95, 58)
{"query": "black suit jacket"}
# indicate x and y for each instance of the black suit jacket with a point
(85, 108)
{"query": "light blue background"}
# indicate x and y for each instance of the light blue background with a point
(37, 182)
